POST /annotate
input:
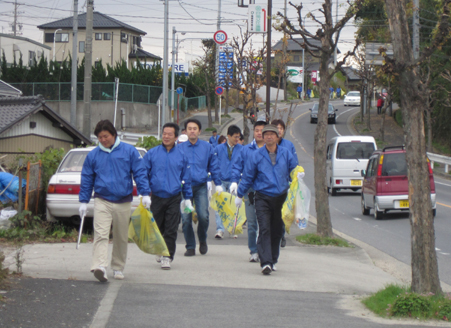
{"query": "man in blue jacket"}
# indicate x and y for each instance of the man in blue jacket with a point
(109, 169)
(224, 155)
(268, 170)
(289, 145)
(214, 138)
(237, 169)
(169, 176)
(200, 156)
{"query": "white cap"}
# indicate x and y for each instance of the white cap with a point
(182, 138)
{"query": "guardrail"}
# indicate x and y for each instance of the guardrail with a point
(439, 159)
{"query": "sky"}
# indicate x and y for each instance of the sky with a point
(148, 15)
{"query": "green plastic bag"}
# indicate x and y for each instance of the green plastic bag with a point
(143, 230)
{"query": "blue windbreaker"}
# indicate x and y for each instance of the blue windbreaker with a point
(166, 170)
(289, 145)
(239, 161)
(271, 180)
(201, 160)
(222, 161)
(213, 141)
(110, 173)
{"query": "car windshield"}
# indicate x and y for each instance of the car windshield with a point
(354, 94)
(73, 162)
(354, 150)
(316, 105)
(394, 164)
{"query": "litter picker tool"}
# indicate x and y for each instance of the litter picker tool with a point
(81, 229)
(234, 223)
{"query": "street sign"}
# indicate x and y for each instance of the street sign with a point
(179, 90)
(219, 90)
(220, 37)
(256, 22)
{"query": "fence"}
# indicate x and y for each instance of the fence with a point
(34, 193)
(440, 159)
(105, 91)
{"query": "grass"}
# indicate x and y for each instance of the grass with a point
(443, 149)
(398, 301)
(380, 144)
(226, 116)
(210, 129)
(398, 117)
(314, 239)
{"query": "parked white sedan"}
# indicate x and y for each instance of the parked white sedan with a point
(64, 186)
(352, 98)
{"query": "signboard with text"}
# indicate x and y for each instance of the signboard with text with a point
(256, 21)
(225, 69)
(295, 74)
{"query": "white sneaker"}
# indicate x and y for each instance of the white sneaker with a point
(274, 268)
(158, 258)
(219, 234)
(165, 263)
(254, 258)
(100, 274)
(118, 275)
(235, 236)
(266, 270)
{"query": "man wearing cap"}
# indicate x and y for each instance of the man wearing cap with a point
(268, 170)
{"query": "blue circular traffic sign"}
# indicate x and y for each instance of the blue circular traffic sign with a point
(179, 90)
(219, 90)
(220, 37)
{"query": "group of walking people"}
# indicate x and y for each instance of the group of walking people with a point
(173, 176)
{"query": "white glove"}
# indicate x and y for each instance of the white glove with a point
(209, 187)
(301, 175)
(182, 206)
(233, 188)
(238, 202)
(219, 190)
(83, 209)
(189, 205)
(146, 201)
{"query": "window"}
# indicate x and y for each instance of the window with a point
(81, 46)
(62, 37)
(98, 36)
(97, 64)
(137, 41)
(31, 58)
(124, 38)
(48, 37)
(371, 167)
(296, 58)
(354, 150)
(107, 36)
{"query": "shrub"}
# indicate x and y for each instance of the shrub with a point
(411, 304)
(148, 142)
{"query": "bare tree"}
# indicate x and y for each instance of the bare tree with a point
(328, 35)
(280, 70)
(425, 276)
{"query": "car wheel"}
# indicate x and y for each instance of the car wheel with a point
(334, 121)
(311, 121)
(365, 210)
(377, 214)
(434, 212)
(333, 191)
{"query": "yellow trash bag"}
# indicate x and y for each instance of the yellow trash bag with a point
(289, 207)
(143, 230)
(224, 204)
(312, 95)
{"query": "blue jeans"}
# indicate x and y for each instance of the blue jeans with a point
(200, 197)
(219, 226)
(252, 225)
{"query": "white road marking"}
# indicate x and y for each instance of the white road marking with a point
(443, 184)
(444, 253)
(357, 219)
(437, 249)
(335, 129)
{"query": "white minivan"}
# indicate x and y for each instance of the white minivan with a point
(347, 156)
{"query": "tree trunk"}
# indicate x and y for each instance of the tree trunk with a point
(368, 107)
(383, 111)
(217, 110)
(429, 126)
(324, 224)
(226, 110)
(425, 276)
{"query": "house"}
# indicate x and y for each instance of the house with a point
(7, 90)
(353, 80)
(13, 47)
(28, 125)
(112, 40)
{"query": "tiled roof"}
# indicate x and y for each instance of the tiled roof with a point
(294, 45)
(351, 73)
(8, 90)
(143, 54)
(15, 109)
(99, 21)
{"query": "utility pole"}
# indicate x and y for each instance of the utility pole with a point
(173, 73)
(165, 61)
(416, 29)
(284, 45)
(268, 61)
(336, 46)
(73, 81)
(218, 27)
(15, 18)
(88, 71)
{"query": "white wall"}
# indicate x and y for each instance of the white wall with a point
(11, 45)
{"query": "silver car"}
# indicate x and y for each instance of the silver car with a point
(64, 186)
(352, 98)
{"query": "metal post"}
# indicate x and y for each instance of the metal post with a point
(165, 59)
(54, 45)
(73, 80)
(116, 91)
(285, 55)
(303, 75)
(159, 115)
(173, 73)
(336, 46)
(268, 61)
(178, 109)
(218, 27)
(88, 71)
(220, 109)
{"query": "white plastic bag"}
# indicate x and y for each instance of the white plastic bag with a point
(7, 213)
(302, 207)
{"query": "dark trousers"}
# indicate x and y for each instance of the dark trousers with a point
(270, 226)
(166, 212)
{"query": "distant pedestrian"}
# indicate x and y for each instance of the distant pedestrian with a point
(331, 90)
(338, 92)
(222, 139)
(309, 92)
(224, 154)
(268, 170)
(380, 104)
(214, 138)
(200, 156)
(169, 175)
(299, 90)
(109, 170)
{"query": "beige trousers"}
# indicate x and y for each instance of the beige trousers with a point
(105, 214)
